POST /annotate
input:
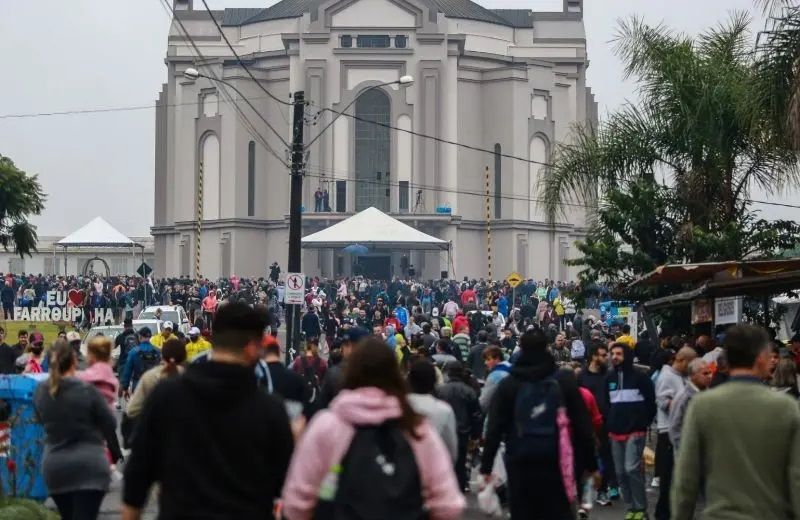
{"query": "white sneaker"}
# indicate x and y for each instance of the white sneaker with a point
(655, 483)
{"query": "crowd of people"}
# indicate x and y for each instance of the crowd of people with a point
(408, 396)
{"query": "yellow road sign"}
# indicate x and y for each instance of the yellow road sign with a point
(514, 279)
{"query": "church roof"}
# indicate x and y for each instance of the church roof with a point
(466, 9)
(516, 17)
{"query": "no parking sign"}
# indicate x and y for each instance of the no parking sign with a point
(295, 289)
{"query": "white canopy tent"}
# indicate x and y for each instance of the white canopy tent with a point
(97, 233)
(374, 229)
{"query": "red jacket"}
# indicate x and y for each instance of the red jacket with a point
(594, 411)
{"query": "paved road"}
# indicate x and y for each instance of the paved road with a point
(112, 503)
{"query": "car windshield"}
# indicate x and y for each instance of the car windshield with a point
(165, 316)
(110, 332)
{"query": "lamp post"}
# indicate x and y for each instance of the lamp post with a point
(298, 149)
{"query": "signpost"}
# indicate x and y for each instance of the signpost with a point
(295, 289)
(513, 279)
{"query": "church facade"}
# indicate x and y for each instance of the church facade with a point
(507, 84)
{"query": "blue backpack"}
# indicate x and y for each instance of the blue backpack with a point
(535, 433)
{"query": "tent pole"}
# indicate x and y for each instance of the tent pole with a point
(65, 261)
(55, 262)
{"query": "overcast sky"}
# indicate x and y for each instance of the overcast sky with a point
(63, 55)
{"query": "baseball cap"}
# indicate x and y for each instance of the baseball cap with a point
(194, 331)
(168, 325)
(73, 336)
(145, 332)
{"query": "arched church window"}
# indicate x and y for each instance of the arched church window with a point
(372, 150)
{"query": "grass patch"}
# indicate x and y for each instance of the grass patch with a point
(48, 329)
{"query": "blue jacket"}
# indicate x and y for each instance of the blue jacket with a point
(631, 397)
(402, 315)
(133, 365)
(502, 306)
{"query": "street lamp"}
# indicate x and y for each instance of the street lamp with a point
(191, 73)
(404, 81)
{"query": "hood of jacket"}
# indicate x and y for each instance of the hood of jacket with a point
(365, 406)
(219, 384)
(99, 373)
(534, 366)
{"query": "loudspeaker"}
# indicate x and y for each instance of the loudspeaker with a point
(444, 275)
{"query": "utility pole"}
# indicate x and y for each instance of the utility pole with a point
(295, 220)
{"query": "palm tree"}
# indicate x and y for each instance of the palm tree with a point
(21, 196)
(699, 128)
(779, 66)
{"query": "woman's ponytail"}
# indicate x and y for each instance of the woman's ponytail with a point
(173, 353)
(62, 359)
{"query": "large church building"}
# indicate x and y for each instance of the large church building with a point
(509, 84)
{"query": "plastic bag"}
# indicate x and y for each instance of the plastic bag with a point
(489, 502)
(499, 475)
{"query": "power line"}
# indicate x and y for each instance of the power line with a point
(239, 113)
(508, 156)
(323, 174)
(130, 108)
(239, 60)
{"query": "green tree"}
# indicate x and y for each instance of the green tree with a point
(675, 169)
(21, 197)
(778, 59)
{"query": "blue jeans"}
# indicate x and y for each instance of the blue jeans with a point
(627, 457)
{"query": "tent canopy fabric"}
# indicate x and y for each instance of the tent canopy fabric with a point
(97, 233)
(373, 228)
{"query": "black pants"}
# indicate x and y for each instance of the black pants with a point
(461, 462)
(536, 491)
(665, 462)
(8, 311)
(79, 505)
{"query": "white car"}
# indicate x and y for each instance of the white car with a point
(111, 332)
(173, 313)
(154, 325)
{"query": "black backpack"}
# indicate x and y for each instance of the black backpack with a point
(535, 430)
(378, 479)
(149, 358)
(310, 380)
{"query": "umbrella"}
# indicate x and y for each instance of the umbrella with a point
(356, 249)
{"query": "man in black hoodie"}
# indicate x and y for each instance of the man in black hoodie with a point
(218, 446)
(593, 378)
(535, 484)
(632, 408)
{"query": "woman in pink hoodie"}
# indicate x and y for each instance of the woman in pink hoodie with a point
(373, 393)
(100, 374)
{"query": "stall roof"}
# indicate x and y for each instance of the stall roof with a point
(685, 273)
(763, 285)
(97, 233)
(373, 228)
